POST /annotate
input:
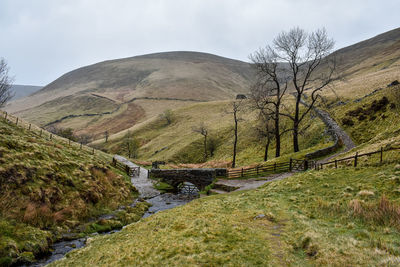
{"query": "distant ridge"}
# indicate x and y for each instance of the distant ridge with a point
(21, 91)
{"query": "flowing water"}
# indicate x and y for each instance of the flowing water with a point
(145, 187)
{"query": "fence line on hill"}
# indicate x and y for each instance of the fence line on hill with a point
(291, 165)
(48, 135)
(355, 158)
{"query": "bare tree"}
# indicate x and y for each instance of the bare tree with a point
(269, 88)
(167, 115)
(307, 67)
(132, 145)
(203, 130)
(236, 108)
(266, 131)
(84, 138)
(106, 136)
(5, 83)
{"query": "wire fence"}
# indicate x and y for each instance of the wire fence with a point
(52, 137)
(355, 160)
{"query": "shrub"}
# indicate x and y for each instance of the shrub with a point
(382, 212)
(347, 121)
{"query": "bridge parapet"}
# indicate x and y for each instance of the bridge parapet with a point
(199, 177)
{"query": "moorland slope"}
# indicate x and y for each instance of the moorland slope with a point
(114, 95)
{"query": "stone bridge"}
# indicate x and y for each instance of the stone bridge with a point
(199, 177)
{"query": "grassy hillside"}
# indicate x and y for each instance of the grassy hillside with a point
(115, 95)
(49, 189)
(328, 218)
(120, 89)
(21, 91)
(178, 143)
(367, 65)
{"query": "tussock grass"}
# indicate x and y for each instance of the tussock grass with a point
(316, 218)
(50, 188)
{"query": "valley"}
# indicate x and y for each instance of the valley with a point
(177, 110)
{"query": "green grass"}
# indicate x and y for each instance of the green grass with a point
(309, 220)
(372, 133)
(48, 188)
(177, 143)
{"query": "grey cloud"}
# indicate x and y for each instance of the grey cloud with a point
(43, 39)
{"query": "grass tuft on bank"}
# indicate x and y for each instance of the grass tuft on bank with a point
(343, 217)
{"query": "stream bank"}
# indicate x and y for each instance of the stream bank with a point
(147, 193)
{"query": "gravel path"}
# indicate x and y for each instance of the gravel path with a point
(141, 182)
(254, 182)
(332, 124)
(336, 129)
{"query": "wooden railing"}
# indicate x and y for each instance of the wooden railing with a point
(129, 170)
(354, 159)
(289, 166)
(50, 136)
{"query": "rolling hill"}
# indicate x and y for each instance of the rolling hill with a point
(115, 95)
(21, 91)
(129, 94)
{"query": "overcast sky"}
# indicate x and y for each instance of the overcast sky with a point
(43, 39)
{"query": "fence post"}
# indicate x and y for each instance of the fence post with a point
(29, 127)
(93, 151)
(322, 166)
(335, 163)
(355, 159)
(127, 169)
(257, 169)
(6, 116)
(381, 155)
(80, 146)
(275, 167)
(69, 142)
(290, 164)
(242, 173)
(306, 165)
(16, 123)
(40, 132)
(51, 136)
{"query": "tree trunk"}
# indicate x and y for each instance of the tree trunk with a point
(277, 134)
(296, 139)
(266, 149)
(205, 148)
(235, 142)
(296, 125)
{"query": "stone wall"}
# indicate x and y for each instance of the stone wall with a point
(331, 130)
(199, 177)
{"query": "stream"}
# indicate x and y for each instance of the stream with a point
(145, 187)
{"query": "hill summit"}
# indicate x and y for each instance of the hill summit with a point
(139, 87)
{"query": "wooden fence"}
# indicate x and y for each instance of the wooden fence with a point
(289, 166)
(131, 171)
(354, 159)
(50, 136)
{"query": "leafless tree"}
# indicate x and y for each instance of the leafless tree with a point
(106, 136)
(269, 88)
(306, 65)
(132, 145)
(167, 115)
(237, 106)
(5, 83)
(266, 130)
(203, 130)
(84, 138)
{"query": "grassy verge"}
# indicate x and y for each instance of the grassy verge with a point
(49, 189)
(344, 217)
